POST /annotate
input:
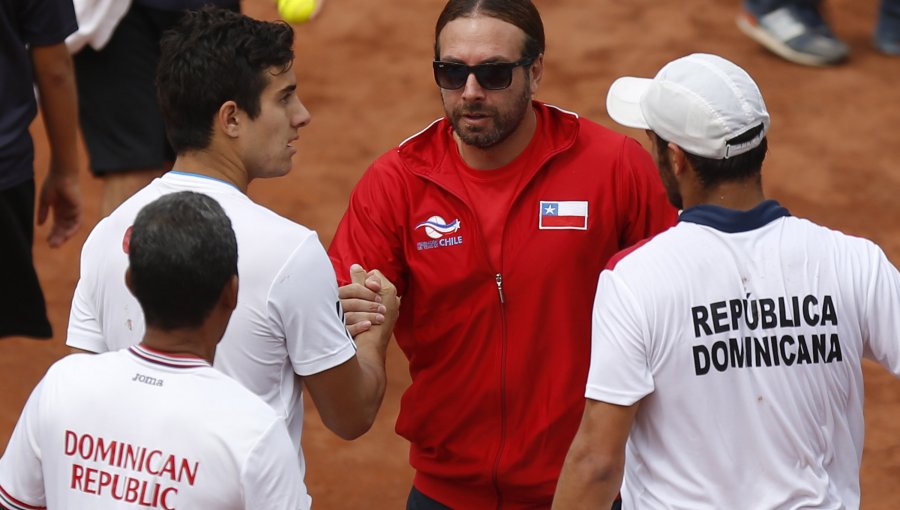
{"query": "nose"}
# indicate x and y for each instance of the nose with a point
(301, 116)
(472, 90)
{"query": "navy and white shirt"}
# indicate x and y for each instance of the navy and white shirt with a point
(742, 334)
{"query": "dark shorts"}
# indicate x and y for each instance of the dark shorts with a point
(22, 308)
(120, 118)
(419, 501)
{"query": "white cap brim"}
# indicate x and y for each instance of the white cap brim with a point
(623, 103)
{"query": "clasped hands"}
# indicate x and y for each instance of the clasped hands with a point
(369, 300)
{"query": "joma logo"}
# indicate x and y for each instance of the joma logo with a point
(146, 379)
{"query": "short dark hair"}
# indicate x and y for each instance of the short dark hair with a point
(715, 171)
(212, 56)
(521, 13)
(182, 252)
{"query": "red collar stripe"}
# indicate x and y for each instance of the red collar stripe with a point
(167, 359)
(11, 503)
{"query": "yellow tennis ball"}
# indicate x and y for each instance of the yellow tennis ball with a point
(297, 11)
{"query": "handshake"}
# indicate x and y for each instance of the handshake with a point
(370, 300)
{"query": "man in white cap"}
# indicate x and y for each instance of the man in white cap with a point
(725, 363)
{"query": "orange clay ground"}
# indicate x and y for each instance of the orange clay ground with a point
(364, 73)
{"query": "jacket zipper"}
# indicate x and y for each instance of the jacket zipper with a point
(496, 472)
(495, 475)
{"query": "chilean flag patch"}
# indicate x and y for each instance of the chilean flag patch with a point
(572, 215)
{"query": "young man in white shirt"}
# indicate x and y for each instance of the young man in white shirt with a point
(726, 352)
(228, 95)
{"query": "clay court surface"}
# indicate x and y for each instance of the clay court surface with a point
(364, 72)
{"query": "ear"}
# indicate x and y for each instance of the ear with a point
(229, 296)
(229, 118)
(537, 72)
(128, 280)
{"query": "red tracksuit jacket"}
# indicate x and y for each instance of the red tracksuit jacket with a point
(498, 356)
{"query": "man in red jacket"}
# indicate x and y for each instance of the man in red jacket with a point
(494, 223)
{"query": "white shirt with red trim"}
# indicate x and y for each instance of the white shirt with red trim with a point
(288, 320)
(144, 429)
(741, 335)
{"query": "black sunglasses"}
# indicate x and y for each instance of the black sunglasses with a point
(492, 76)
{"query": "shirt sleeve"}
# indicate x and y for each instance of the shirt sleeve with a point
(21, 472)
(619, 371)
(644, 202)
(270, 476)
(46, 22)
(85, 331)
(882, 314)
(303, 305)
(369, 232)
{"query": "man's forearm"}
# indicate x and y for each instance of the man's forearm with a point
(55, 78)
(349, 395)
(586, 484)
(372, 354)
(592, 473)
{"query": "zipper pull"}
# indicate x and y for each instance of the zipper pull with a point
(500, 287)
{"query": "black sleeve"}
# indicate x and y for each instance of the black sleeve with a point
(46, 22)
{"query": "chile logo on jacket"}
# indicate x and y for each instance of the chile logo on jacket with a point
(438, 229)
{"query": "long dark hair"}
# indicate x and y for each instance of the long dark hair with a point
(521, 13)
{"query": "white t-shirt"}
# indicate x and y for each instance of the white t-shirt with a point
(141, 429)
(288, 319)
(742, 336)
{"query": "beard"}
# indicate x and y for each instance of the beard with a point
(668, 179)
(666, 174)
(503, 123)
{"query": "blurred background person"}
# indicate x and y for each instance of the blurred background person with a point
(32, 52)
(116, 52)
(797, 30)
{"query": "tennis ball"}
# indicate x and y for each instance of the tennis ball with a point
(297, 11)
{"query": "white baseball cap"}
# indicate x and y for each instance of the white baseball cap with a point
(702, 103)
